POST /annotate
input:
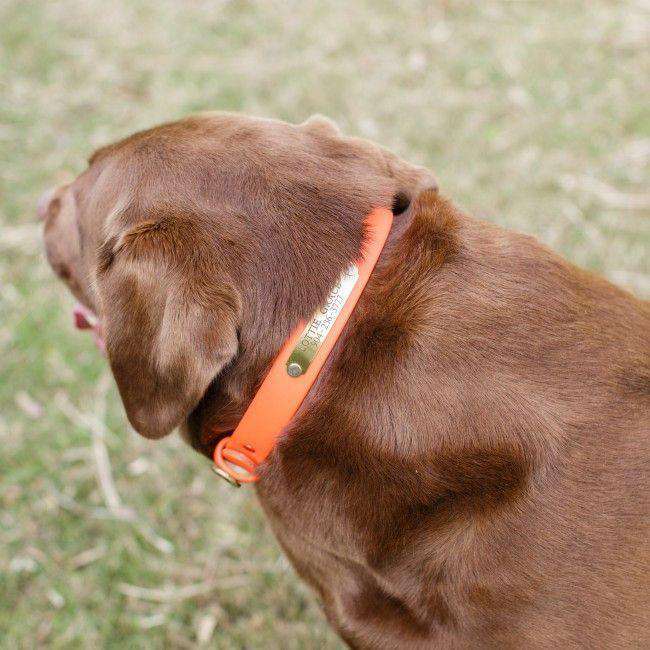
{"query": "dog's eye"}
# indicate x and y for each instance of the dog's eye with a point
(401, 203)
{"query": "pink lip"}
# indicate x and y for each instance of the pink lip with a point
(85, 319)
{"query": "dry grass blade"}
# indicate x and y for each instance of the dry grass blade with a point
(114, 505)
(26, 237)
(88, 556)
(100, 453)
(610, 196)
(175, 594)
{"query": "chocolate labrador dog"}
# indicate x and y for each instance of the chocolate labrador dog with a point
(470, 469)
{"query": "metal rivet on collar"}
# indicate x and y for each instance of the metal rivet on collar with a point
(294, 369)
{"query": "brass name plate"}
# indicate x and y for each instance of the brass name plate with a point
(317, 329)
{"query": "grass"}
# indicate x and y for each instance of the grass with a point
(532, 114)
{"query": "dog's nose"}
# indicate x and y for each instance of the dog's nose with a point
(44, 202)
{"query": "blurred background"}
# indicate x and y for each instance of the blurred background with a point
(532, 114)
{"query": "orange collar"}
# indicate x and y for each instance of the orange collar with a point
(297, 365)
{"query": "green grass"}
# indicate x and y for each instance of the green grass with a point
(531, 114)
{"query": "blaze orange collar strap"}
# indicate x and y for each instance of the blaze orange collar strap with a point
(297, 365)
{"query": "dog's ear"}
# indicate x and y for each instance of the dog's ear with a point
(407, 178)
(169, 319)
(321, 125)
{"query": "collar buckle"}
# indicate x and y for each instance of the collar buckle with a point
(225, 476)
(229, 461)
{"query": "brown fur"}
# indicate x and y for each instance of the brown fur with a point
(471, 467)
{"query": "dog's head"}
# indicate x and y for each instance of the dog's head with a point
(198, 245)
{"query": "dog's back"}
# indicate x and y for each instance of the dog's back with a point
(478, 451)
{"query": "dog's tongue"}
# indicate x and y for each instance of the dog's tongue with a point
(85, 319)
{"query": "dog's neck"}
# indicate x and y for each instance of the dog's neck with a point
(285, 300)
(299, 362)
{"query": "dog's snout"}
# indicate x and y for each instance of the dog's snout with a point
(43, 204)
